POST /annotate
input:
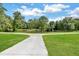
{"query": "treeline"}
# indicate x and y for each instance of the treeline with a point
(42, 23)
(18, 23)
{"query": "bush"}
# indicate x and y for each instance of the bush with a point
(20, 30)
(32, 31)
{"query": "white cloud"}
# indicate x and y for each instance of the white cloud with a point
(75, 11)
(30, 12)
(55, 7)
(74, 15)
(23, 7)
(56, 18)
(38, 12)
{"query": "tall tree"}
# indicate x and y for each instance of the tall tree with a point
(5, 24)
(52, 25)
(18, 20)
(43, 21)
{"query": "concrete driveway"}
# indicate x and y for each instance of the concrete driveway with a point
(32, 46)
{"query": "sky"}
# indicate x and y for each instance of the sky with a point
(54, 11)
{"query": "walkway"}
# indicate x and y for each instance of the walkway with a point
(32, 46)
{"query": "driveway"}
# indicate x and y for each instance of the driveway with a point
(32, 46)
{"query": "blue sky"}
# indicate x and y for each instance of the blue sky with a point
(53, 11)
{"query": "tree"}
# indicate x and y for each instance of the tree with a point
(43, 23)
(5, 24)
(56, 25)
(76, 20)
(51, 25)
(18, 20)
(8, 23)
(33, 23)
(69, 24)
(30, 24)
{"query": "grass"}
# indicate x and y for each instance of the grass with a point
(8, 40)
(62, 45)
(50, 33)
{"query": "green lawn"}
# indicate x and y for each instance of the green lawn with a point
(8, 40)
(51, 33)
(62, 45)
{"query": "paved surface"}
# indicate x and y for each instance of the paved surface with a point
(32, 46)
